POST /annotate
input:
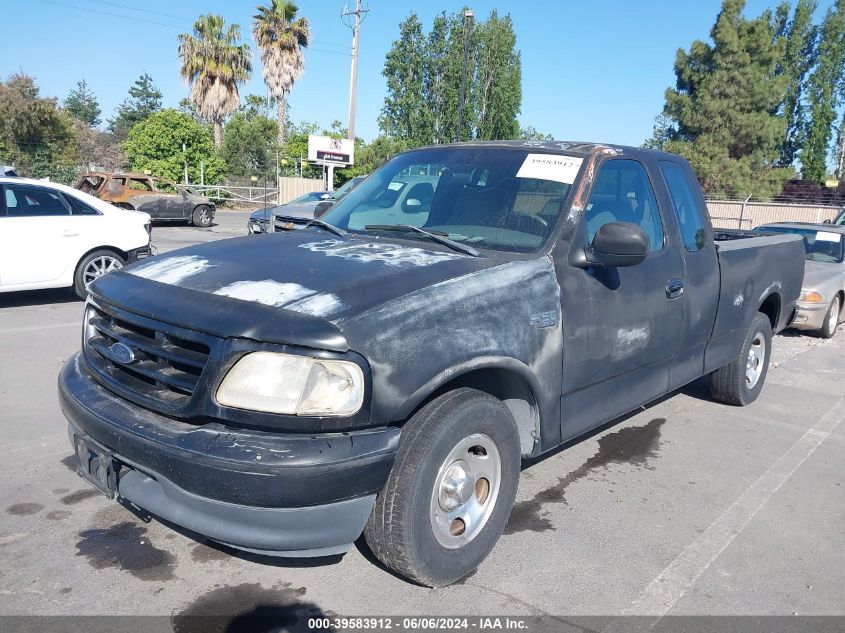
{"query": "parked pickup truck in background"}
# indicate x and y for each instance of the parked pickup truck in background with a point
(384, 370)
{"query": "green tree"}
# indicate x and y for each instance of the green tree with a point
(371, 156)
(530, 133)
(799, 57)
(824, 94)
(214, 63)
(156, 144)
(724, 108)
(82, 105)
(35, 135)
(144, 99)
(498, 79)
(404, 113)
(249, 142)
(424, 74)
(280, 36)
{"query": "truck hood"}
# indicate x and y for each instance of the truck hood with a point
(311, 271)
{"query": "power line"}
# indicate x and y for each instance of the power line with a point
(149, 11)
(114, 15)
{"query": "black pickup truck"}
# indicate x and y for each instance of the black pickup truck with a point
(384, 370)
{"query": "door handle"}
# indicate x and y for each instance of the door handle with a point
(675, 288)
(70, 233)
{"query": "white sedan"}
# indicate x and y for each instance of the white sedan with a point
(53, 236)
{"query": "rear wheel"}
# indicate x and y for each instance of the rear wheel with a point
(92, 267)
(451, 489)
(740, 381)
(201, 216)
(831, 319)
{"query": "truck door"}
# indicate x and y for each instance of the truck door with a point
(622, 327)
(701, 267)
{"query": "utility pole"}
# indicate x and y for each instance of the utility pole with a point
(468, 17)
(353, 20)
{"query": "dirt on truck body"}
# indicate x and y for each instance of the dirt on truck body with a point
(163, 200)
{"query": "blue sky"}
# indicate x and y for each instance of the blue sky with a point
(591, 70)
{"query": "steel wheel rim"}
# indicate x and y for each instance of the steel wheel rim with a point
(465, 491)
(833, 318)
(98, 267)
(756, 360)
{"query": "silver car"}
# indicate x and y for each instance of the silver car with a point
(261, 221)
(820, 307)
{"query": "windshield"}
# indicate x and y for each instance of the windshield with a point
(820, 246)
(314, 196)
(491, 198)
(841, 219)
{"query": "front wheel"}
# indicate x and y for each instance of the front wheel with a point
(741, 381)
(451, 489)
(92, 267)
(202, 216)
(831, 319)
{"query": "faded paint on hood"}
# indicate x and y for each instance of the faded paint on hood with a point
(311, 271)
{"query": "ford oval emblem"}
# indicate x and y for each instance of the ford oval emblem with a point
(122, 353)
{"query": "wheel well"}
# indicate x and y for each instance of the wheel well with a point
(509, 387)
(113, 249)
(771, 308)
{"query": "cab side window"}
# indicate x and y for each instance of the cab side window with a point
(24, 201)
(622, 192)
(687, 210)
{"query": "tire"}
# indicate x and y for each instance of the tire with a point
(409, 530)
(831, 319)
(92, 266)
(735, 383)
(202, 216)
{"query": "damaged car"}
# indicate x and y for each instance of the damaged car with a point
(161, 199)
(385, 370)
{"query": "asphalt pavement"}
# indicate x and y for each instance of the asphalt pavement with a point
(685, 507)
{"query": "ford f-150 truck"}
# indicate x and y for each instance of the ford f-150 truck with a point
(384, 370)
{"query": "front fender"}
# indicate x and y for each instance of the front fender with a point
(506, 316)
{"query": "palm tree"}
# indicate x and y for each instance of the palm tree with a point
(280, 36)
(213, 63)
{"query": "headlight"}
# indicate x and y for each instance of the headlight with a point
(295, 385)
(810, 296)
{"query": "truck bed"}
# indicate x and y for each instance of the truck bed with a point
(751, 268)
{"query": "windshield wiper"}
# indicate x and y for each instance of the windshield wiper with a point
(438, 237)
(331, 228)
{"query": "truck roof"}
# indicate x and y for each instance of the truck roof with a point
(579, 148)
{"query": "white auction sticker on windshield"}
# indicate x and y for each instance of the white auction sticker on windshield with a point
(554, 167)
(827, 236)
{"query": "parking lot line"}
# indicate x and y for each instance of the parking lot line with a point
(675, 580)
(38, 328)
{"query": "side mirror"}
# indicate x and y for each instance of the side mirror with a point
(617, 245)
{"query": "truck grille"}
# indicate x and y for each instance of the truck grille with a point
(144, 357)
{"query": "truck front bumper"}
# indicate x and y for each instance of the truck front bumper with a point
(274, 494)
